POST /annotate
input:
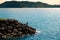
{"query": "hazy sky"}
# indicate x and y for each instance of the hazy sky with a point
(45, 1)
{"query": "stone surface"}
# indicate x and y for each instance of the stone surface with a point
(12, 28)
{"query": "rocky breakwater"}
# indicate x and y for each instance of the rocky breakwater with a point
(12, 28)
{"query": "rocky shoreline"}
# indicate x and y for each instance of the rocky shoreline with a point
(12, 28)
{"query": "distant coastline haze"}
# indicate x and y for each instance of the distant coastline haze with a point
(51, 2)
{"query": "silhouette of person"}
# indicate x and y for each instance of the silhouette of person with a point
(27, 23)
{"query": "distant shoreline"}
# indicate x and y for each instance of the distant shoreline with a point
(26, 4)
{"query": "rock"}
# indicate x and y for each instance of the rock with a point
(12, 28)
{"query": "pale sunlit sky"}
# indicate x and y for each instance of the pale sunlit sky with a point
(52, 2)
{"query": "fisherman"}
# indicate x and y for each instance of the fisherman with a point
(27, 23)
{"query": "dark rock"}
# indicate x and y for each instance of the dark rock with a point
(12, 28)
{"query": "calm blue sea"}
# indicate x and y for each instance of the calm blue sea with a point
(45, 20)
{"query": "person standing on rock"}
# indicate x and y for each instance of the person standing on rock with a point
(27, 23)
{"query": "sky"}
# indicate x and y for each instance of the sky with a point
(52, 2)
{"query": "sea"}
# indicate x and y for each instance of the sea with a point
(46, 21)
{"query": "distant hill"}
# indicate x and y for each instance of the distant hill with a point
(26, 4)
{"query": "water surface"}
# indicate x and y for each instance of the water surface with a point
(45, 20)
